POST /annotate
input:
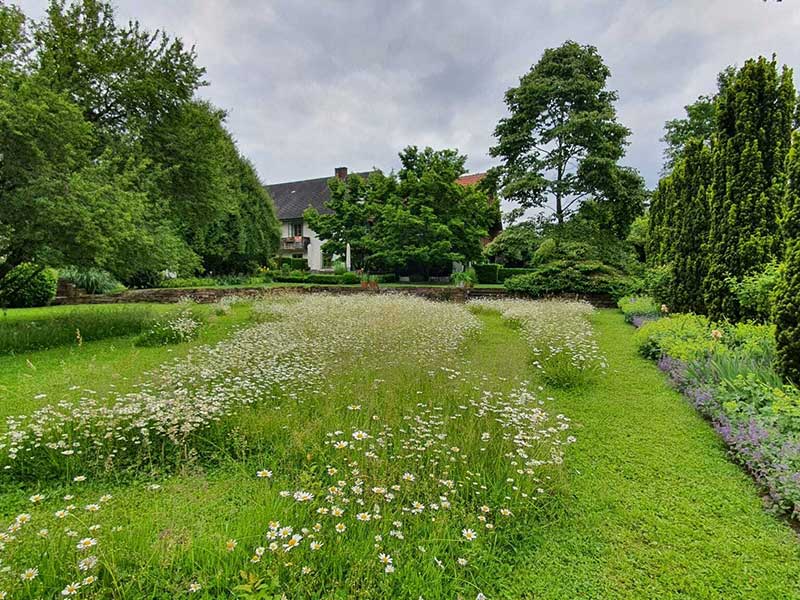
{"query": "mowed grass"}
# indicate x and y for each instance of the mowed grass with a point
(650, 508)
(33, 379)
(656, 509)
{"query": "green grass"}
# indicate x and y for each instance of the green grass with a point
(656, 508)
(33, 379)
(649, 507)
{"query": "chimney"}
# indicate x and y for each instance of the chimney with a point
(341, 173)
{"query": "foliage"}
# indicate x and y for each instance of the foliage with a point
(681, 336)
(339, 267)
(756, 116)
(93, 281)
(101, 140)
(181, 326)
(561, 142)
(467, 278)
(755, 293)
(28, 285)
(658, 283)
(418, 220)
(349, 278)
(487, 273)
(72, 328)
(293, 264)
(697, 125)
(515, 245)
(787, 304)
(188, 282)
(638, 309)
(563, 277)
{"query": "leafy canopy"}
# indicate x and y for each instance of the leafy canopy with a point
(561, 142)
(417, 220)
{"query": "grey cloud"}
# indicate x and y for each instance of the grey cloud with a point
(310, 85)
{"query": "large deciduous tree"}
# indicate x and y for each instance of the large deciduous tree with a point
(755, 118)
(561, 142)
(417, 220)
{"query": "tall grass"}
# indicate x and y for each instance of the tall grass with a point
(73, 328)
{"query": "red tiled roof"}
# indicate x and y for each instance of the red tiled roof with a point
(470, 179)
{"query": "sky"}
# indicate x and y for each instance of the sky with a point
(310, 85)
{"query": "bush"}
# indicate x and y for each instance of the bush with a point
(176, 328)
(339, 267)
(465, 279)
(93, 281)
(638, 308)
(28, 285)
(565, 277)
(324, 279)
(683, 337)
(506, 273)
(488, 273)
(658, 283)
(294, 264)
(144, 280)
(188, 282)
(756, 293)
(385, 278)
(349, 278)
(83, 324)
(233, 279)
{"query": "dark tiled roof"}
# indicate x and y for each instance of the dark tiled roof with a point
(293, 197)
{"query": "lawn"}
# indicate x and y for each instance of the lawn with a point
(644, 505)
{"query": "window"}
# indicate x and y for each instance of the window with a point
(297, 229)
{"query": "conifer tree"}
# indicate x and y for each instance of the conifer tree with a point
(690, 229)
(787, 308)
(753, 135)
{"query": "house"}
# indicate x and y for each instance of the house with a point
(291, 199)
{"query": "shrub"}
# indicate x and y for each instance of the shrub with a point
(641, 307)
(506, 273)
(28, 285)
(294, 264)
(93, 281)
(322, 278)
(465, 279)
(683, 337)
(564, 277)
(385, 278)
(756, 293)
(339, 267)
(349, 278)
(82, 324)
(488, 273)
(545, 251)
(189, 282)
(144, 279)
(233, 279)
(176, 328)
(658, 283)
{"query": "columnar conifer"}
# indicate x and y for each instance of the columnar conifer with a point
(753, 134)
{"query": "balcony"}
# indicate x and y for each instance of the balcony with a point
(298, 243)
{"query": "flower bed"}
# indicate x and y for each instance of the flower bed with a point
(726, 373)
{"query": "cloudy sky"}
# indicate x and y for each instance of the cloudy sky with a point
(313, 84)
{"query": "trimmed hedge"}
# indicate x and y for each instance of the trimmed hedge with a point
(295, 264)
(489, 273)
(28, 285)
(566, 277)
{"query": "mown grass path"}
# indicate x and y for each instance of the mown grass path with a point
(655, 508)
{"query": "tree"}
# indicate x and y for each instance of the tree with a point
(755, 118)
(561, 142)
(689, 205)
(787, 306)
(121, 77)
(215, 199)
(697, 125)
(418, 220)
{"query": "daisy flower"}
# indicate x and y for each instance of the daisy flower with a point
(469, 534)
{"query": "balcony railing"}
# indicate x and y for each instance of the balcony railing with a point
(295, 243)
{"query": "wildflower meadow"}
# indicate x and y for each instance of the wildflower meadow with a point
(375, 462)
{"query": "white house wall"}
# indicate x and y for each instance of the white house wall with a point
(314, 250)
